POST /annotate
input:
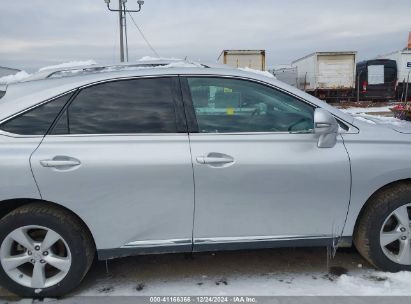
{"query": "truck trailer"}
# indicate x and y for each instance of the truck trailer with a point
(253, 59)
(327, 75)
(286, 74)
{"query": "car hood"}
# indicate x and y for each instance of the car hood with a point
(400, 126)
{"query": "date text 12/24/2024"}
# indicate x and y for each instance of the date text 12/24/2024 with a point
(203, 299)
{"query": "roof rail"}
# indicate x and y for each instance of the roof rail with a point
(89, 69)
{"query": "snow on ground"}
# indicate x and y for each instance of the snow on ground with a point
(273, 272)
(384, 120)
(377, 115)
(375, 109)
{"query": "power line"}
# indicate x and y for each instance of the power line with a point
(144, 37)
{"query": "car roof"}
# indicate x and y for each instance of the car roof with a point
(24, 95)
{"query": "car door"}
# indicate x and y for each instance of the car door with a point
(119, 157)
(259, 175)
(19, 138)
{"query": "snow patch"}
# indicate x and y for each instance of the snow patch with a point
(20, 76)
(358, 283)
(149, 58)
(70, 64)
(182, 64)
(383, 120)
(355, 110)
(365, 120)
(379, 284)
(262, 73)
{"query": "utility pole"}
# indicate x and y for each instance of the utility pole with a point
(122, 11)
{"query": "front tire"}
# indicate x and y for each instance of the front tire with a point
(383, 233)
(44, 251)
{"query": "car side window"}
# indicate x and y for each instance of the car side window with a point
(121, 107)
(225, 105)
(38, 120)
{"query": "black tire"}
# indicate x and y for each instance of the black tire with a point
(367, 231)
(70, 228)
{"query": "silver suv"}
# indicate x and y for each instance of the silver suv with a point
(164, 158)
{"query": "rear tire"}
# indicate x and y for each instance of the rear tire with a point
(383, 232)
(74, 251)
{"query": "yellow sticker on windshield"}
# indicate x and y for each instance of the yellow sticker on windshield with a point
(230, 111)
(228, 90)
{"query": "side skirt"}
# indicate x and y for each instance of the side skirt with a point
(208, 246)
(228, 245)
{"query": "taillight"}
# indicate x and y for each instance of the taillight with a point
(364, 87)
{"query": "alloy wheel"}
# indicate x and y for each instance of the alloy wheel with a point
(35, 257)
(395, 236)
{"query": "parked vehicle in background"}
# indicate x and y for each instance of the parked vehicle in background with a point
(403, 60)
(253, 59)
(173, 158)
(377, 80)
(286, 74)
(330, 76)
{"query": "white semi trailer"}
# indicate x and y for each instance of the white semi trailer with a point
(286, 74)
(253, 59)
(327, 75)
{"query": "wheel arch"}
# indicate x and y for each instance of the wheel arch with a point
(387, 187)
(7, 206)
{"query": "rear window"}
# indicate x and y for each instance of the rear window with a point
(36, 121)
(390, 74)
(121, 107)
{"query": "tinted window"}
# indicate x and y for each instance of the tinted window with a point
(229, 105)
(38, 120)
(127, 106)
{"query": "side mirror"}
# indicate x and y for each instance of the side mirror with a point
(327, 127)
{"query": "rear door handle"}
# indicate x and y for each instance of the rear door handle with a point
(60, 162)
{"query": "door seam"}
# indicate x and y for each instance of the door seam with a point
(31, 167)
(191, 158)
(350, 197)
(194, 188)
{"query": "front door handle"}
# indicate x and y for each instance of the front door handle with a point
(215, 159)
(60, 162)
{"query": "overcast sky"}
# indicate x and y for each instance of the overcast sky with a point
(36, 33)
